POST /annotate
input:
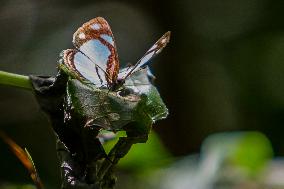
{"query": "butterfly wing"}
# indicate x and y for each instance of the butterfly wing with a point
(151, 53)
(82, 67)
(95, 40)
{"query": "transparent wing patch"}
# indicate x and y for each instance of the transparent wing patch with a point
(151, 53)
(83, 67)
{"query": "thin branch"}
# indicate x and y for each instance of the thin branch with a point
(24, 157)
(15, 80)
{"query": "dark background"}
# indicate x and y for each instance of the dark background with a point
(222, 71)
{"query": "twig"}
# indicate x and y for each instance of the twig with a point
(16, 80)
(25, 158)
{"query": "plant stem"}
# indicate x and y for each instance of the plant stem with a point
(15, 80)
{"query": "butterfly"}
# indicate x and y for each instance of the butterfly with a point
(95, 58)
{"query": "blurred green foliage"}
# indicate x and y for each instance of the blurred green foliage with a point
(143, 157)
(252, 152)
(249, 151)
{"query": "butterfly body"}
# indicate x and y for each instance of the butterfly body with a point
(113, 110)
(95, 58)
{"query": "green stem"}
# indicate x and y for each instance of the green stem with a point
(15, 80)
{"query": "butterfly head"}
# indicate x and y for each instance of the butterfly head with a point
(117, 84)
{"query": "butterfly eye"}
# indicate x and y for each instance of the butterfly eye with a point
(125, 92)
